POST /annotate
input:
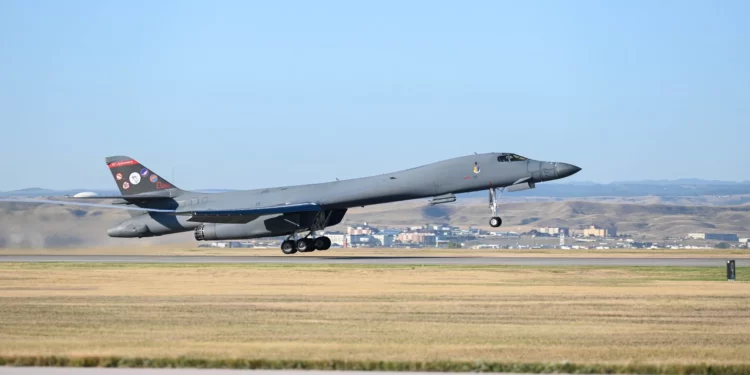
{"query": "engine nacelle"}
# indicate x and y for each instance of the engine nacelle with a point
(267, 226)
(129, 230)
(213, 231)
(200, 233)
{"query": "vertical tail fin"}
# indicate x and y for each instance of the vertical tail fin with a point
(133, 178)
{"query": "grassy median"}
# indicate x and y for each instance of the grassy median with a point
(408, 317)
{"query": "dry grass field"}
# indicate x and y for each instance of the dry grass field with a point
(377, 313)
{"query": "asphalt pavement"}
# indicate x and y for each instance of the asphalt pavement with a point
(168, 371)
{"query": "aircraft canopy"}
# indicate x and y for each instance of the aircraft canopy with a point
(510, 157)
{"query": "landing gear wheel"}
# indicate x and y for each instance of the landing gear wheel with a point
(322, 243)
(496, 222)
(288, 248)
(305, 245)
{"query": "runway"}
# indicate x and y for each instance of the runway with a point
(381, 260)
(186, 371)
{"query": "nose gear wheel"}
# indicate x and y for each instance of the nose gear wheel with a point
(495, 221)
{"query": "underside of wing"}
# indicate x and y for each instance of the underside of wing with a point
(246, 215)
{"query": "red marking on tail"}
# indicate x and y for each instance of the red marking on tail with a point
(122, 163)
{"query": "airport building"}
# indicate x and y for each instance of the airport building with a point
(594, 231)
(383, 239)
(504, 234)
(373, 237)
(730, 237)
(360, 240)
(554, 231)
(426, 239)
(338, 239)
(352, 240)
(722, 237)
(364, 229)
(442, 229)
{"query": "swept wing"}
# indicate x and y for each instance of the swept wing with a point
(239, 215)
(246, 215)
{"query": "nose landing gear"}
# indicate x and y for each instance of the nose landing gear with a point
(495, 221)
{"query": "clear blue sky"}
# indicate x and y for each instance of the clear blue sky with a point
(251, 94)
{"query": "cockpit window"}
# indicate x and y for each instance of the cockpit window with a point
(510, 157)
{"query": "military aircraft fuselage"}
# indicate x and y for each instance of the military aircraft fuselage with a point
(458, 175)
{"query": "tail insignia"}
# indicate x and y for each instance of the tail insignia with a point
(134, 178)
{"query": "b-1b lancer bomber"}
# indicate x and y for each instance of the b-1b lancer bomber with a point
(158, 207)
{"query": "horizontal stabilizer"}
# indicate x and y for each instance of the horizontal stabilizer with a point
(125, 197)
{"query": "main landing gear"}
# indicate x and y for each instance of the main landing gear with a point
(495, 221)
(310, 242)
(305, 245)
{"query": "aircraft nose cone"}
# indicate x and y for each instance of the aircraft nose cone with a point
(565, 170)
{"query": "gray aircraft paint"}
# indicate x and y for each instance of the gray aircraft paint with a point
(450, 176)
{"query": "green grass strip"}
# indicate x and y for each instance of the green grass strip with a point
(441, 366)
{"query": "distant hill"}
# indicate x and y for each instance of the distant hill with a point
(40, 192)
(653, 221)
(52, 226)
(676, 188)
(683, 181)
